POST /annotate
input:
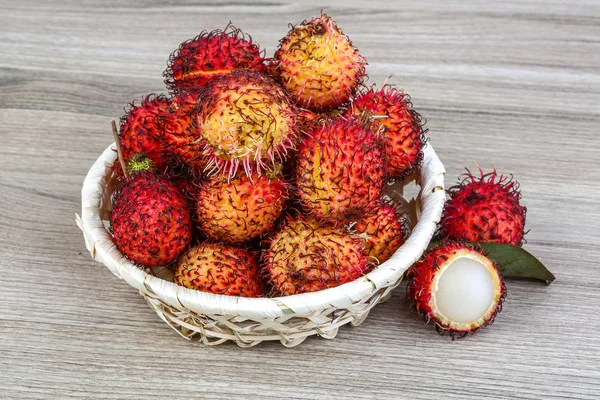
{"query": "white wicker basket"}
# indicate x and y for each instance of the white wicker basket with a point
(214, 319)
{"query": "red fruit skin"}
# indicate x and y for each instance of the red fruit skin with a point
(422, 273)
(308, 256)
(241, 209)
(209, 55)
(484, 209)
(180, 138)
(318, 65)
(220, 269)
(150, 220)
(386, 231)
(188, 186)
(140, 130)
(403, 127)
(244, 120)
(340, 173)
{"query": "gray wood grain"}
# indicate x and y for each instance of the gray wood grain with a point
(515, 84)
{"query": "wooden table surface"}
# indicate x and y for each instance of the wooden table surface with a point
(515, 84)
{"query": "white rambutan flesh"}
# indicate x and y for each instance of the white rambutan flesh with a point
(464, 291)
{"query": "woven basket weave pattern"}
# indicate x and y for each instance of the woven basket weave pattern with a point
(214, 319)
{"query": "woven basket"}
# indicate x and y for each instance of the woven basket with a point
(214, 319)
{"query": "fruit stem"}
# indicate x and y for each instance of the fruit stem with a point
(118, 144)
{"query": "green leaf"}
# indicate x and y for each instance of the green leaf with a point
(513, 261)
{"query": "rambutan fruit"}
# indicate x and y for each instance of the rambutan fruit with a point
(209, 55)
(386, 230)
(457, 287)
(484, 209)
(220, 269)
(340, 173)
(140, 131)
(318, 65)
(307, 118)
(150, 219)
(179, 138)
(307, 256)
(239, 209)
(245, 119)
(404, 137)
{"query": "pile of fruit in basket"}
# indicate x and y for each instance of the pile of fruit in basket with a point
(267, 177)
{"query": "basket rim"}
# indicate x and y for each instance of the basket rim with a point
(102, 248)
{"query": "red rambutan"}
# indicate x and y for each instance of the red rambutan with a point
(484, 209)
(402, 127)
(209, 55)
(239, 209)
(150, 220)
(245, 119)
(340, 173)
(140, 131)
(386, 230)
(220, 269)
(318, 65)
(307, 256)
(179, 136)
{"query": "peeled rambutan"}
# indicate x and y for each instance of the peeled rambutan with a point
(457, 287)
(140, 131)
(239, 209)
(307, 256)
(484, 209)
(318, 65)
(385, 229)
(245, 119)
(220, 269)
(150, 220)
(402, 127)
(209, 55)
(340, 173)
